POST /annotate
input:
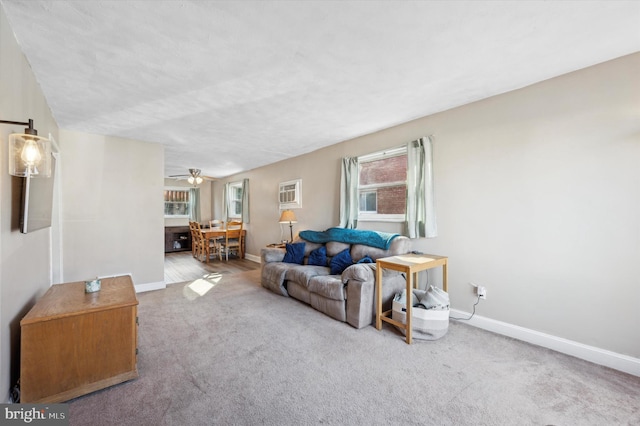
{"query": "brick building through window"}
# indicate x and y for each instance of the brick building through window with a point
(383, 183)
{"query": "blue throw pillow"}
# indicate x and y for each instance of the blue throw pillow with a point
(318, 257)
(366, 259)
(295, 253)
(340, 262)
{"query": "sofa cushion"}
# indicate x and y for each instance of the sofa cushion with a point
(318, 257)
(399, 245)
(303, 273)
(309, 247)
(340, 262)
(294, 254)
(335, 247)
(329, 286)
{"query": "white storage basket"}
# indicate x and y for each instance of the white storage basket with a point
(426, 324)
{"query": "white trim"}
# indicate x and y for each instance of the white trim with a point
(252, 257)
(186, 189)
(140, 288)
(231, 201)
(386, 153)
(369, 216)
(296, 203)
(375, 217)
(56, 253)
(371, 186)
(620, 362)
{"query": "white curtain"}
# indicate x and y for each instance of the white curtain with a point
(245, 200)
(225, 202)
(349, 198)
(420, 209)
(194, 212)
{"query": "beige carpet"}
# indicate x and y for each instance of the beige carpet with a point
(238, 354)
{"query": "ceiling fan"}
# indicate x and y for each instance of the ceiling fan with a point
(194, 177)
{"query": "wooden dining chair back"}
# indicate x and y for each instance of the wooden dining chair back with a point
(194, 239)
(218, 239)
(233, 239)
(216, 223)
(205, 247)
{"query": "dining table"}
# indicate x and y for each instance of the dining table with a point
(219, 231)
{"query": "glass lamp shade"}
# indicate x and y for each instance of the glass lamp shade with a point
(29, 155)
(197, 180)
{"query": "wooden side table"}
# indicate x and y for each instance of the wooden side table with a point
(276, 245)
(410, 264)
(74, 342)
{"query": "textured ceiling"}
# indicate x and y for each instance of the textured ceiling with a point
(229, 86)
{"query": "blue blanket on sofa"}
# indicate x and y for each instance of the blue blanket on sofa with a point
(381, 240)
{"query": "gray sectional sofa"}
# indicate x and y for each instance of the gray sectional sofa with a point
(348, 296)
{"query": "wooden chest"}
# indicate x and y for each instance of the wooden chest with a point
(73, 342)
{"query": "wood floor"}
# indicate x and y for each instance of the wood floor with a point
(182, 266)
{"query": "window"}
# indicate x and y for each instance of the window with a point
(400, 184)
(235, 200)
(382, 183)
(290, 194)
(368, 202)
(177, 203)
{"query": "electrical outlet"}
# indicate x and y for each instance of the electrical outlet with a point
(482, 292)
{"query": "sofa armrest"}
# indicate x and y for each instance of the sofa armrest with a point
(271, 254)
(360, 280)
(360, 272)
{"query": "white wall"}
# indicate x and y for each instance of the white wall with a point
(112, 207)
(24, 258)
(111, 201)
(539, 201)
(537, 196)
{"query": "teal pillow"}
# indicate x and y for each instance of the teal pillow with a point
(295, 253)
(340, 262)
(318, 257)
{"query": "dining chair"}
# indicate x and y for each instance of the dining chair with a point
(217, 224)
(194, 240)
(232, 240)
(206, 247)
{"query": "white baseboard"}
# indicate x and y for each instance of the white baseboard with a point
(624, 363)
(140, 288)
(252, 257)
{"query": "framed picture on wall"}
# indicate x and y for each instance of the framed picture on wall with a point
(290, 194)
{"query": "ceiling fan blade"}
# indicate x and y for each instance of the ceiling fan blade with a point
(187, 176)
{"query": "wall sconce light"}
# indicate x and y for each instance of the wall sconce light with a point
(288, 216)
(29, 154)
